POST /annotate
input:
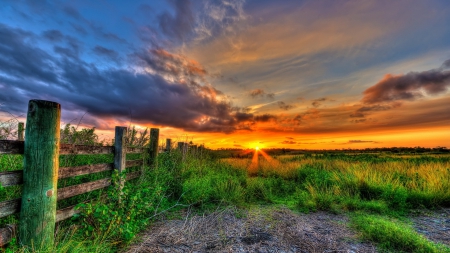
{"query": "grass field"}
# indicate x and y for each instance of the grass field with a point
(376, 191)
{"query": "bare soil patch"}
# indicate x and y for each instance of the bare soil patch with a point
(259, 230)
(434, 225)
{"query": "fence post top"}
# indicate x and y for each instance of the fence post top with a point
(45, 103)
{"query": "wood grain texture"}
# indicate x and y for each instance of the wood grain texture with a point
(153, 147)
(131, 150)
(119, 148)
(74, 190)
(66, 213)
(65, 172)
(7, 233)
(9, 207)
(168, 145)
(20, 131)
(10, 178)
(133, 163)
(40, 174)
(133, 175)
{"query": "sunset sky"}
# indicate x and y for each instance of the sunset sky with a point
(236, 73)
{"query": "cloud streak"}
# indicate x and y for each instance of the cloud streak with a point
(260, 93)
(410, 86)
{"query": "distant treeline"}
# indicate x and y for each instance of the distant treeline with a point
(243, 153)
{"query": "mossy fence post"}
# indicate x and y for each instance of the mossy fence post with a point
(120, 152)
(180, 146)
(153, 147)
(168, 145)
(40, 175)
(20, 131)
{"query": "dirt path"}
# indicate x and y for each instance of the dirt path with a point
(434, 225)
(259, 230)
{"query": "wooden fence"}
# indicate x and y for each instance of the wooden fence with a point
(41, 150)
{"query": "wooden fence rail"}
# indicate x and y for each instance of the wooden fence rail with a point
(39, 111)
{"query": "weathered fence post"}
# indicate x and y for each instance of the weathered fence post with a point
(180, 146)
(20, 131)
(168, 145)
(120, 148)
(40, 175)
(153, 147)
(120, 152)
(185, 148)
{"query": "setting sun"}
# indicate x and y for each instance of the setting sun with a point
(257, 148)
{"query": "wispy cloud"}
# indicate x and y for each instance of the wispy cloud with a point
(261, 93)
(282, 105)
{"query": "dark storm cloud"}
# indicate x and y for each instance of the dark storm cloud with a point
(78, 28)
(53, 35)
(446, 64)
(284, 106)
(173, 65)
(410, 86)
(109, 54)
(20, 58)
(30, 73)
(180, 25)
(261, 93)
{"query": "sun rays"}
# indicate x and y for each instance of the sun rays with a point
(254, 165)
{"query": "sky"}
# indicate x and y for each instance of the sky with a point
(313, 74)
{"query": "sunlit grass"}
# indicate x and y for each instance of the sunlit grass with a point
(419, 181)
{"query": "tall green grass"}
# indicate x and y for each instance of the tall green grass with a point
(394, 235)
(350, 182)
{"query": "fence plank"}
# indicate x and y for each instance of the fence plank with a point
(133, 175)
(66, 213)
(10, 178)
(17, 147)
(133, 163)
(131, 150)
(7, 233)
(9, 207)
(11, 147)
(78, 189)
(65, 172)
(69, 149)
